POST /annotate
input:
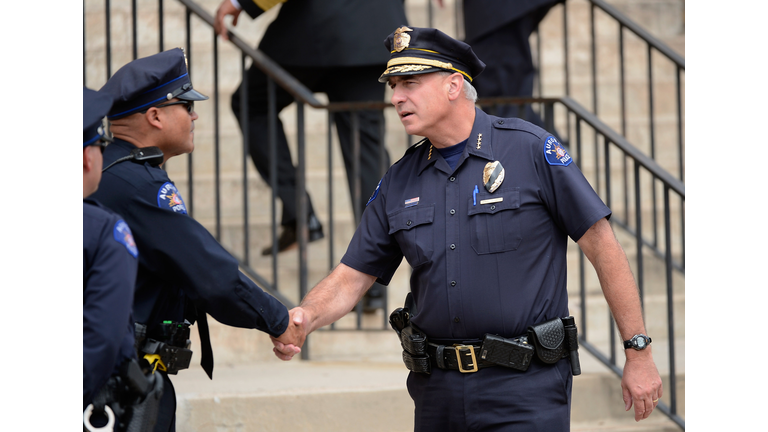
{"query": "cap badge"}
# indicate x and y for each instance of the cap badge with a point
(493, 176)
(402, 39)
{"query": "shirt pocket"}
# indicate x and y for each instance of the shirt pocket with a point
(494, 221)
(412, 228)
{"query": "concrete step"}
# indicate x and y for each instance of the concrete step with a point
(353, 396)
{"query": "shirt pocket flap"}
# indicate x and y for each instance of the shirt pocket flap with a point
(406, 219)
(493, 203)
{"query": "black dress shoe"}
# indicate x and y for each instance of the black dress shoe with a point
(288, 238)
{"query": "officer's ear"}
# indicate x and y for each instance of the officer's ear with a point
(153, 117)
(455, 86)
(89, 157)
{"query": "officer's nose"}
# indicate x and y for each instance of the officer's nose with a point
(398, 96)
(194, 115)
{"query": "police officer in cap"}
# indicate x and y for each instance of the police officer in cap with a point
(482, 209)
(184, 272)
(110, 260)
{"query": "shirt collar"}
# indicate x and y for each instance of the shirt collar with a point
(482, 132)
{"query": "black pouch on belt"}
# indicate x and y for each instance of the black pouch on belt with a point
(514, 353)
(548, 338)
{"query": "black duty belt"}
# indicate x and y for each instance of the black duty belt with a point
(460, 357)
(548, 341)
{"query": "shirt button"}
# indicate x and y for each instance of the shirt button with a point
(493, 207)
(453, 246)
(452, 179)
(456, 319)
(453, 283)
(409, 223)
(453, 211)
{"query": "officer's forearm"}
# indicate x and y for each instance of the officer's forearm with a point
(335, 296)
(619, 288)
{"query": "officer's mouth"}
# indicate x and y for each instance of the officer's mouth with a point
(405, 114)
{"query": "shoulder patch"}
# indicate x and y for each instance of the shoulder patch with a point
(168, 197)
(123, 235)
(375, 194)
(555, 153)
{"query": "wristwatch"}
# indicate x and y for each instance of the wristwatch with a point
(638, 342)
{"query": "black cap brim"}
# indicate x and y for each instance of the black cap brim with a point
(192, 95)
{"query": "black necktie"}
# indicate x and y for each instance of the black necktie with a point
(206, 357)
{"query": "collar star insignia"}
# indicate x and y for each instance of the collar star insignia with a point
(479, 140)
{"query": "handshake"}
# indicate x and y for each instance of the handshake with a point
(290, 342)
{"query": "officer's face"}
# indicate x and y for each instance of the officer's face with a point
(181, 128)
(421, 101)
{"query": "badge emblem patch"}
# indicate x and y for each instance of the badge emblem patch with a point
(493, 176)
(123, 235)
(169, 197)
(555, 153)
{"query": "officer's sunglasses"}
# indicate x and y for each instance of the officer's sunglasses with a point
(190, 105)
(105, 137)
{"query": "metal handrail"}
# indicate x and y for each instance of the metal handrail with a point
(612, 140)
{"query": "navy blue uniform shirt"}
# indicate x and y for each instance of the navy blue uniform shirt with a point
(180, 260)
(478, 266)
(109, 275)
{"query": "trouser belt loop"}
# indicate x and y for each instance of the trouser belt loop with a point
(439, 356)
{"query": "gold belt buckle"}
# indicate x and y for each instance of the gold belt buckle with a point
(471, 354)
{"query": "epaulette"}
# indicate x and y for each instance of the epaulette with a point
(519, 124)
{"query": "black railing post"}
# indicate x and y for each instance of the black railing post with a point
(303, 209)
(216, 151)
(108, 42)
(134, 30)
(244, 126)
(190, 159)
(670, 303)
(356, 188)
(639, 234)
(160, 25)
(272, 131)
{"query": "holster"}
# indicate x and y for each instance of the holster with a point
(548, 338)
(556, 339)
(413, 341)
(513, 353)
(133, 397)
(169, 341)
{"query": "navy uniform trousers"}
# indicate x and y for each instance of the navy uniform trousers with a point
(451, 401)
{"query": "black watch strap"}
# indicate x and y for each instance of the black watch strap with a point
(629, 343)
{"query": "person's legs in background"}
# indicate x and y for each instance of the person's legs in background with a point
(258, 147)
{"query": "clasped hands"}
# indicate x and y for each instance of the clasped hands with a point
(290, 342)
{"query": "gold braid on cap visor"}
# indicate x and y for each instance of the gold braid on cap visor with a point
(413, 64)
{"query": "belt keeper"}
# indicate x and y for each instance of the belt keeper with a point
(440, 357)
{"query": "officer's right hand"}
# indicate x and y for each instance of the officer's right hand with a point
(225, 8)
(289, 343)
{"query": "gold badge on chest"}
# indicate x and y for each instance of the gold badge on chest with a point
(493, 176)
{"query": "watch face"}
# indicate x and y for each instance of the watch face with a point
(640, 342)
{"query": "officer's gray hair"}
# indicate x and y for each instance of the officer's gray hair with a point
(469, 91)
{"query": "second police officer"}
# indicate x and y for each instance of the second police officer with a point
(184, 273)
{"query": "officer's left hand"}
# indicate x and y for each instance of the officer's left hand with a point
(225, 8)
(641, 384)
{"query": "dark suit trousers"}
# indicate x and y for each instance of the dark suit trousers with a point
(509, 65)
(341, 84)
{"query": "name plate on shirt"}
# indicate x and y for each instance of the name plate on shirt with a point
(491, 201)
